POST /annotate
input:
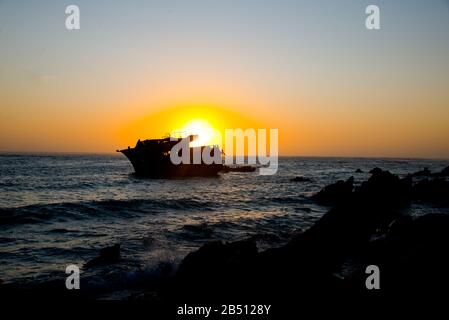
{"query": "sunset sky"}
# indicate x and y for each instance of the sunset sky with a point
(139, 69)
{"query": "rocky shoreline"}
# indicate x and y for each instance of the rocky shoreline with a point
(366, 225)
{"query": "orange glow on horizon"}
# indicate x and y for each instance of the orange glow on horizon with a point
(207, 121)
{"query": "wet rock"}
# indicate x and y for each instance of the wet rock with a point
(300, 179)
(107, 255)
(335, 193)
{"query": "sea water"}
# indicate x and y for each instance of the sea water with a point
(57, 210)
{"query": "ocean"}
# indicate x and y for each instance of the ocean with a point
(57, 210)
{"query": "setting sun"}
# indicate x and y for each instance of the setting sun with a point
(207, 135)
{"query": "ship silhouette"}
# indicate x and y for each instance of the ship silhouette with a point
(151, 158)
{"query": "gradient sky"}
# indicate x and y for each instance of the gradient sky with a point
(309, 68)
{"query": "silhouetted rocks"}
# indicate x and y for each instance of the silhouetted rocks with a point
(215, 271)
(335, 193)
(350, 224)
(413, 257)
(214, 258)
(432, 190)
(399, 227)
(107, 255)
(444, 172)
(366, 225)
(310, 259)
(376, 171)
(358, 171)
(385, 189)
(300, 179)
(431, 228)
(425, 172)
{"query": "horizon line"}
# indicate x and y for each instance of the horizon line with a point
(38, 153)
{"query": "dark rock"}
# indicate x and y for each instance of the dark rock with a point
(376, 171)
(384, 189)
(347, 227)
(432, 190)
(413, 258)
(217, 269)
(444, 172)
(335, 193)
(407, 248)
(300, 179)
(423, 173)
(107, 255)
(215, 259)
(400, 226)
(359, 171)
(431, 228)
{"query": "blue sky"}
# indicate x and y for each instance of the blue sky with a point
(305, 60)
